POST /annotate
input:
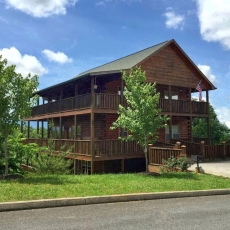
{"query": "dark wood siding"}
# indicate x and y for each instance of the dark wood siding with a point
(169, 67)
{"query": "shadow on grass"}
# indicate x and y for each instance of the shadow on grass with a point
(177, 175)
(47, 179)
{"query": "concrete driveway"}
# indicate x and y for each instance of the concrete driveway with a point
(221, 168)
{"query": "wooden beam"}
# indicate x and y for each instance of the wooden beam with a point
(92, 118)
(208, 118)
(170, 129)
(42, 130)
(21, 126)
(121, 100)
(28, 129)
(37, 127)
(60, 128)
(190, 124)
(170, 98)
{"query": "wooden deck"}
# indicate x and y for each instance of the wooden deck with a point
(104, 149)
(112, 101)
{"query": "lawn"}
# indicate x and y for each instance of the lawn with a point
(34, 187)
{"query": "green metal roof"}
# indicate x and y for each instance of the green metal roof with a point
(124, 63)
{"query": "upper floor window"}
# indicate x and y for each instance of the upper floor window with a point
(174, 95)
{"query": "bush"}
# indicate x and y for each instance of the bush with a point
(175, 164)
(49, 162)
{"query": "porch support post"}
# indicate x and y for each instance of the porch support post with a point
(75, 94)
(42, 130)
(121, 100)
(21, 126)
(208, 118)
(61, 97)
(48, 129)
(92, 124)
(28, 129)
(170, 98)
(60, 129)
(170, 111)
(170, 128)
(75, 133)
(37, 127)
(190, 128)
(190, 101)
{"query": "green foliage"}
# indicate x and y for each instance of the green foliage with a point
(15, 91)
(141, 117)
(176, 163)
(49, 162)
(18, 153)
(218, 131)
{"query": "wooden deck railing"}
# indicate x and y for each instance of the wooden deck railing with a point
(191, 147)
(112, 101)
(157, 154)
(117, 147)
(182, 106)
(81, 147)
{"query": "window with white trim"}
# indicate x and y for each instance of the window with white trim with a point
(175, 132)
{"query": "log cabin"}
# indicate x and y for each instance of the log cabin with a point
(83, 108)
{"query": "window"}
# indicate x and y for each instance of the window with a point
(174, 95)
(175, 132)
(125, 132)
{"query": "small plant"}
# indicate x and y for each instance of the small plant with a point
(49, 161)
(173, 164)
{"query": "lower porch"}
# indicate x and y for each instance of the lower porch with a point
(99, 156)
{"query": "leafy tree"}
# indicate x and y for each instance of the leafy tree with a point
(141, 117)
(15, 105)
(18, 153)
(218, 130)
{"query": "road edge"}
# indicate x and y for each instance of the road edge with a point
(62, 202)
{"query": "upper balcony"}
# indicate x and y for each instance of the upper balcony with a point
(112, 101)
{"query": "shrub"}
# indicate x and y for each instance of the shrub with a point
(174, 164)
(49, 162)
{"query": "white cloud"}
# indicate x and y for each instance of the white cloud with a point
(24, 63)
(207, 71)
(223, 114)
(214, 17)
(173, 20)
(100, 4)
(41, 8)
(56, 57)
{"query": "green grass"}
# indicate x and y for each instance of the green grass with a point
(34, 187)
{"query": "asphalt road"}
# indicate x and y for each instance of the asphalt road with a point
(193, 213)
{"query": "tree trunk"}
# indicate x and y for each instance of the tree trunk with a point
(146, 158)
(6, 156)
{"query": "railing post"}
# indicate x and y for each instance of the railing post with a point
(202, 150)
(177, 145)
(224, 149)
(183, 151)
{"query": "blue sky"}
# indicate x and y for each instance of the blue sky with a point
(57, 39)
